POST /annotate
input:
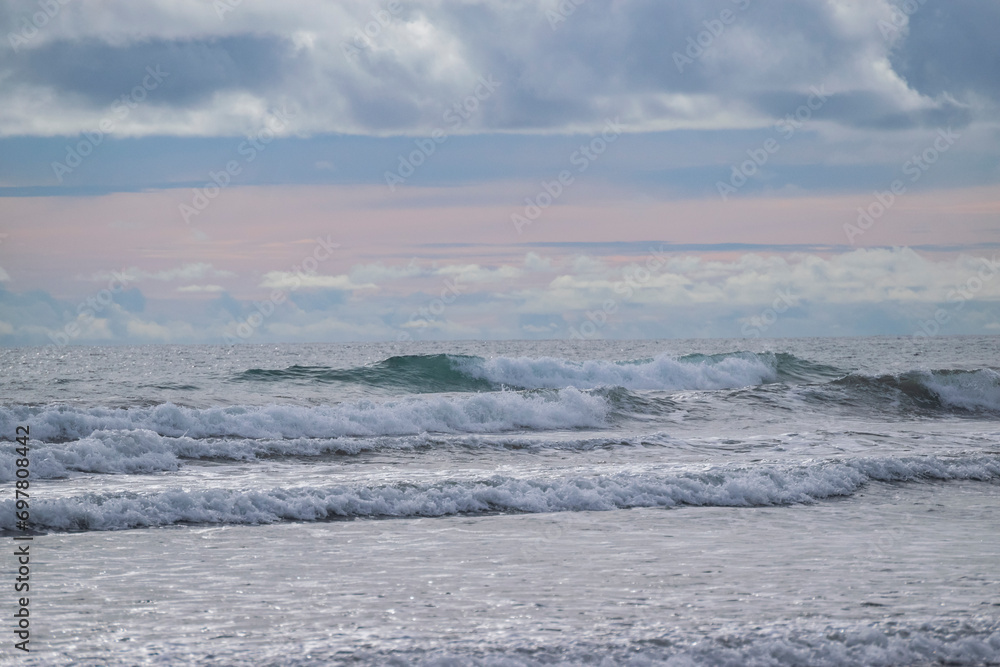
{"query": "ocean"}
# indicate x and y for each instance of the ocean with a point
(682, 502)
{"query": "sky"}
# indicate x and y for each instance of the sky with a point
(240, 171)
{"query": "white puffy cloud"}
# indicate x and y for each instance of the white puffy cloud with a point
(861, 276)
(474, 273)
(191, 271)
(148, 330)
(292, 281)
(380, 273)
(536, 263)
(201, 288)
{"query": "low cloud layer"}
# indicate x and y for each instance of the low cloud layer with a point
(658, 295)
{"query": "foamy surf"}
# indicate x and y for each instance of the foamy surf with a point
(141, 451)
(476, 413)
(953, 390)
(745, 486)
(892, 644)
(661, 373)
(970, 390)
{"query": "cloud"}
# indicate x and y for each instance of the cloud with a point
(464, 273)
(946, 49)
(192, 271)
(473, 273)
(92, 70)
(131, 300)
(148, 330)
(660, 294)
(380, 273)
(863, 276)
(292, 281)
(537, 264)
(201, 288)
(605, 60)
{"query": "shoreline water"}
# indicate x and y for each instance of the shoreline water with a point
(888, 578)
(799, 502)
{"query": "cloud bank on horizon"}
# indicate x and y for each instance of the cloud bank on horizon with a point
(782, 156)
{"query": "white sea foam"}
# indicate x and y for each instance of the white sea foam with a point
(116, 451)
(760, 485)
(970, 644)
(663, 372)
(976, 390)
(143, 451)
(475, 413)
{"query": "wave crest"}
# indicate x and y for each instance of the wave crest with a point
(965, 390)
(443, 372)
(493, 412)
(762, 485)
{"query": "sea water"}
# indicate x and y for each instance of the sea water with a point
(721, 502)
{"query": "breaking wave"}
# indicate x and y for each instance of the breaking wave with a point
(732, 486)
(476, 413)
(444, 372)
(961, 390)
